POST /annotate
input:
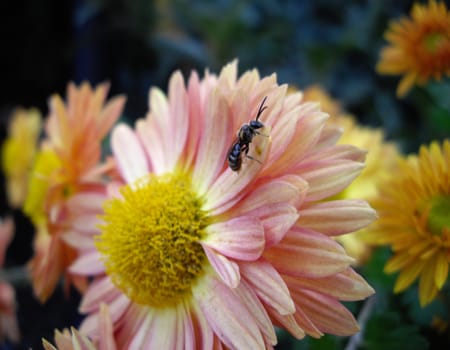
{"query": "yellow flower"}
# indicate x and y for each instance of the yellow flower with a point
(18, 153)
(419, 47)
(414, 210)
(380, 160)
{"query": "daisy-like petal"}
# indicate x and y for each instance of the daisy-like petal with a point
(412, 204)
(269, 286)
(322, 256)
(337, 217)
(325, 312)
(104, 291)
(226, 269)
(240, 238)
(349, 285)
(88, 264)
(219, 193)
(229, 317)
(130, 158)
(330, 178)
(216, 128)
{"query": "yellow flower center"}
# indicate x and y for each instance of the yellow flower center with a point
(439, 215)
(150, 240)
(434, 41)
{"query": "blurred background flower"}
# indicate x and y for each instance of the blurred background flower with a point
(419, 46)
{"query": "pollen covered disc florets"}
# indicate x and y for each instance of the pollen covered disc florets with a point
(150, 239)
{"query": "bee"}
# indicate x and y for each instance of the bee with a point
(244, 137)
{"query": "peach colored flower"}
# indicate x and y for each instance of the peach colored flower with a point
(74, 340)
(419, 46)
(18, 153)
(380, 161)
(8, 320)
(69, 160)
(190, 254)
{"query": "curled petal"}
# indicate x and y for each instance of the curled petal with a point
(239, 238)
(227, 270)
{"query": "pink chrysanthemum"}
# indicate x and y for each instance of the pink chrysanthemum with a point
(192, 255)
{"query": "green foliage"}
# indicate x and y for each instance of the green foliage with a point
(388, 331)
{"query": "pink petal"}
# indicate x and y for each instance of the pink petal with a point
(196, 119)
(227, 270)
(109, 115)
(89, 264)
(214, 143)
(250, 299)
(306, 323)
(185, 329)
(239, 238)
(337, 217)
(86, 223)
(307, 253)
(287, 322)
(231, 184)
(274, 191)
(161, 333)
(228, 316)
(100, 290)
(310, 126)
(131, 159)
(91, 201)
(138, 338)
(79, 241)
(268, 285)
(346, 285)
(91, 324)
(329, 178)
(153, 144)
(203, 332)
(106, 341)
(327, 314)
(178, 119)
(132, 321)
(276, 219)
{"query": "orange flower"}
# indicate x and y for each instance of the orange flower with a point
(419, 47)
(414, 207)
(68, 161)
